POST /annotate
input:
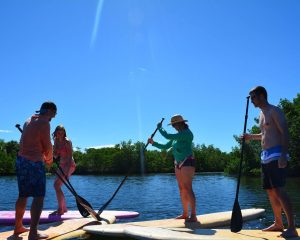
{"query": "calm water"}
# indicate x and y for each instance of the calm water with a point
(156, 196)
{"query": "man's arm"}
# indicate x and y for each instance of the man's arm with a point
(256, 137)
(46, 144)
(281, 125)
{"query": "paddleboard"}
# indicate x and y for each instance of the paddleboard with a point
(57, 229)
(138, 232)
(211, 220)
(8, 217)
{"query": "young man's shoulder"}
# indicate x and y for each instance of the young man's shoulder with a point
(43, 123)
(275, 109)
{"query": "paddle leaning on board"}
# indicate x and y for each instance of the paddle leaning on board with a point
(236, 217)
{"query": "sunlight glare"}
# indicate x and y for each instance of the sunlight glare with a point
(96, 23)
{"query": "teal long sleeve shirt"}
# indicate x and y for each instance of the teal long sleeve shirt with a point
(180, 142)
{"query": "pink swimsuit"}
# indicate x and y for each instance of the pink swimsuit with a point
(67, 162)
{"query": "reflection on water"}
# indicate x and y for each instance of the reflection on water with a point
(156, 196)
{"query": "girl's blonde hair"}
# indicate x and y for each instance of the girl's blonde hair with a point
(58, 128)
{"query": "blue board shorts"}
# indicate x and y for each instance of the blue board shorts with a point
(271, 154)
(31, 178)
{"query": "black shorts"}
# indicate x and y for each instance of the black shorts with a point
(272, 175)
(189, 162)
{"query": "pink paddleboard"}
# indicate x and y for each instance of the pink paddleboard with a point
(8, 217)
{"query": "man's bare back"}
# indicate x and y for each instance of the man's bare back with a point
(270, 120)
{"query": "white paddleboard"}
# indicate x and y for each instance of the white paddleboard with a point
(138, 232)
(211, 220)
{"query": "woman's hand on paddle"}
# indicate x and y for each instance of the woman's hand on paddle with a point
(150, 140)
(159, 125)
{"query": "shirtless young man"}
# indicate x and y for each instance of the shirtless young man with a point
(35, 150)
(274, 157)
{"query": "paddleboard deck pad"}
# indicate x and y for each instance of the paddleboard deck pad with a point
(211, 220)
(57, 229)
(8, 217)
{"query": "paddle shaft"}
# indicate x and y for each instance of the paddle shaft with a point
(152, 135)
(83, 205)
(108, 202)
(236, 218)
(242, 149)
(124, 179)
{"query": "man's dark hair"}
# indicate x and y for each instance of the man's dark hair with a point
(258, 91)
(46, 106)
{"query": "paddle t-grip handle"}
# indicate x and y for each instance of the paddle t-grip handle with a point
(18, 126)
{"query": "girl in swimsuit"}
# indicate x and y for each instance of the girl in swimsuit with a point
(63, 149)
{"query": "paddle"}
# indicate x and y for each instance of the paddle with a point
(236, 217)
(124, 179)
(152, 135)
(108, 202)
(84, 207)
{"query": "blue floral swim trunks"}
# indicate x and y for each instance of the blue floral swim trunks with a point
(31, 178)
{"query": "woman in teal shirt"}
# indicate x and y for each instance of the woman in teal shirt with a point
(181, 143)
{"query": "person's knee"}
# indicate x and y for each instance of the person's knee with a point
(181, 187)
(57, 185)
(187, 188)
(281, 193)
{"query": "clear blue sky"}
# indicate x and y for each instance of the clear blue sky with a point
(115, 68)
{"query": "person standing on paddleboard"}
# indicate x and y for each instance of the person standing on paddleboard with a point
(35, 150)
(274, 159)
(181, 143)
(63, 151)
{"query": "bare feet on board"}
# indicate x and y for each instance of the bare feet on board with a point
(274, 228)
(59, 212)
(183, 216)
(289, 233)
(192, 218)
(37, 236)
(20, 230)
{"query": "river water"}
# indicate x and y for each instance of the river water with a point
(156, 196)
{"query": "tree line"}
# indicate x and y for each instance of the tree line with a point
(128, 157)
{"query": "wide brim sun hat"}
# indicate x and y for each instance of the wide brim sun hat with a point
(177, 119)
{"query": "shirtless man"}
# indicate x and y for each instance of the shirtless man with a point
(35, 150)
(274, 157)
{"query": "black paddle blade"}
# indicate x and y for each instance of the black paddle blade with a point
(81, 203)
(236, 224)
(88, 209)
